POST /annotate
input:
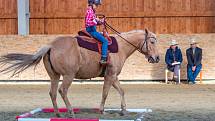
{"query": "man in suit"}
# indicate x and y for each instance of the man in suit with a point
(173, 59)
(194, 58)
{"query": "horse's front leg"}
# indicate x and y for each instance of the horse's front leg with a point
(106, 87)
(116, 85)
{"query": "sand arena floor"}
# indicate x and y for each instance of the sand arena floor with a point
(168, 102)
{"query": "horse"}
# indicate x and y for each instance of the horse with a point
(64, 57)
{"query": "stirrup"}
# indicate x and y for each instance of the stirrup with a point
(103, 62)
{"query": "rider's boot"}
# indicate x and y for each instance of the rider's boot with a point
(103, 60)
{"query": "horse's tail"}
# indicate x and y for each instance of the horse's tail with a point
(20, 62)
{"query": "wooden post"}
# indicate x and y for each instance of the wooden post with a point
(201, 74)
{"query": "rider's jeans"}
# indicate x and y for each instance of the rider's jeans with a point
(92, 31)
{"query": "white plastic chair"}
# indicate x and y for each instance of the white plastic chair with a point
(166, 76)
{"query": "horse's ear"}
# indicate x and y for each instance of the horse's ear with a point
(146, 30)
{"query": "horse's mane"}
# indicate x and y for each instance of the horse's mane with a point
(129, 32)
(133, 31)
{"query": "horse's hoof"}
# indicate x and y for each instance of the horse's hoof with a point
(104, 113)
(101, 111)
(71, 116)
(58, 115)
(124, 113)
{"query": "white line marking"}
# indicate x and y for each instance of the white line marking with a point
(132, 110)
(32, 119)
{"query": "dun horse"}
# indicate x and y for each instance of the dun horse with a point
(64, 57)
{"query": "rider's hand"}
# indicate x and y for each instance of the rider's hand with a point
(102, 20)
(99, 22)
(97, 19)
(193, 68)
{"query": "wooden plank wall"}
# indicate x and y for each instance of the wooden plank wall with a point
(160, 16)
(8, 17)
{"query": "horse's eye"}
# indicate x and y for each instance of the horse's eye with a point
(152, 42)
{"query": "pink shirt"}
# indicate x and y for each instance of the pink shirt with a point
(90, 18)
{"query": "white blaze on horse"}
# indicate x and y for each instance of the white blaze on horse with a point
(64, 57)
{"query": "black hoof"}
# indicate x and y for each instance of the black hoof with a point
(71, 115)
(124, 113)
(58, 115)
(101, 111)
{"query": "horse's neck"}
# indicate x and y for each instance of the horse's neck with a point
(128, 49)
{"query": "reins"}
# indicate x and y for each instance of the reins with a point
(119, 34)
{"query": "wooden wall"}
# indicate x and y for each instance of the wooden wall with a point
(8, 17)
(160, 16)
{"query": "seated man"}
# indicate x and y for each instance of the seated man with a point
(173, 59)
(194, 58)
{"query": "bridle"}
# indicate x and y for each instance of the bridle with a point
(145, 43)
(140, 49)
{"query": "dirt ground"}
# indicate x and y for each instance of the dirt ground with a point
(168, 102)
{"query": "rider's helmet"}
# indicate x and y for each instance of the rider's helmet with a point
(96, 2)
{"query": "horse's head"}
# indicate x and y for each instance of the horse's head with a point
(148, 47)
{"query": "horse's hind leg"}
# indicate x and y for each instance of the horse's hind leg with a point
(54, 83)
(116, 85)
(53, 95)
(63, 90)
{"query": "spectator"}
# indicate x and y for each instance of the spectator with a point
(194, 58)
(174, 59)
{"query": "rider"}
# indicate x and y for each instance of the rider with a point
(90, 22)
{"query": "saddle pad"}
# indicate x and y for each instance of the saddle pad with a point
(113, 48)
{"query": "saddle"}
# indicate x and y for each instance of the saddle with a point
(85, 40)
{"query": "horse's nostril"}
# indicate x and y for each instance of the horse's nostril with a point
(158, 58)
(150, 59)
